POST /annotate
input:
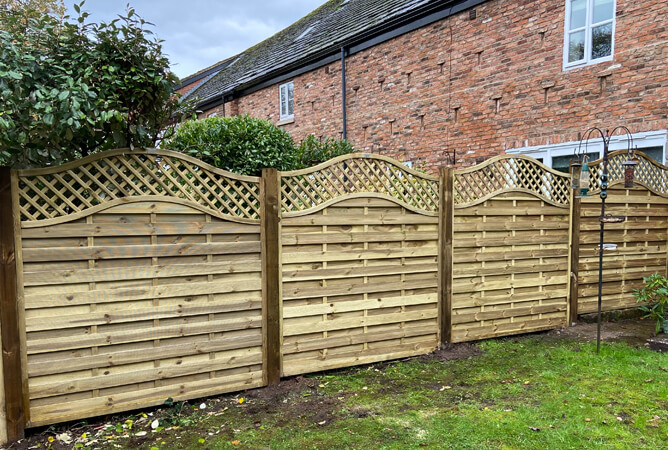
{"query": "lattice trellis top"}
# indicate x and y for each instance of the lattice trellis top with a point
(358, 175)
(649, 173)
(72, 190)
(507, 173)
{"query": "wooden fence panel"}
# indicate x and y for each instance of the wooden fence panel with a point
(359, 268)
(641, 247)
(510, 249)
(143, 299)
(640, 239)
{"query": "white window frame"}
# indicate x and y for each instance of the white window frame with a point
(595, 144)
(588, 36)
(284, 100)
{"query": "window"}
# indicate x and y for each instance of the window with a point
(558, 156)
(589, 33)
(287, 101)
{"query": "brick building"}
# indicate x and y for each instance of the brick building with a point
(437, 81)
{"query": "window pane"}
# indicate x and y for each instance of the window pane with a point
(291, 109)
(283, 100)
(578, 14)
(601, 41)
(603, 10)
(656, 153)
(562, 163)
(576, 46)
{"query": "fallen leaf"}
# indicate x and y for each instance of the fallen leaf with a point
(534, 428)
(620, 419)
(322, 423)
(649, 380)
(64, 438)
(587, 419)
(141, 433)
(527, 382)
(236, 442)
(662, 368)
(155, 424)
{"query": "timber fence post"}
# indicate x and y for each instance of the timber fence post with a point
(12, 374)
(446, 226)
(270, 233)
(574, 258)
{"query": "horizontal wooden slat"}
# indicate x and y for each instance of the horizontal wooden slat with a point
(311, 344)
(138, 229)
(297, 292)
(506, 255)
(359, 219)
(137, 251)
(71, 276)
(526, 326)
(357, 305)
(133, 399)
(159, 332)
(72, 385)
(33, 301)
(521, 267)
(356, 255)
(356, 272)
(51, 320)
(290, 329)
(356, 237)
(517, 312)
(512, 211)
(357, 357)
(228, 340)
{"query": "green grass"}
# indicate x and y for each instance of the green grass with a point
(532, 392)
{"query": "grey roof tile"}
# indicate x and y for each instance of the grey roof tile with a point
(335, 22)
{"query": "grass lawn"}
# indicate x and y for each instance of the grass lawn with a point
(538, 391)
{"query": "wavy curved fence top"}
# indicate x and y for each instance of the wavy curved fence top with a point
(649, 173)
(66, 192)
(358, 174)
(504, 173)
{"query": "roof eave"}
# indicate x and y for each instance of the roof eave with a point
(402, 24)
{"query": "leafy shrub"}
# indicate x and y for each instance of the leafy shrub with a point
(655, 294)
(312, 152)
(239, 144)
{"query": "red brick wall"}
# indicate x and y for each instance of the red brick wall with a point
(437, 88)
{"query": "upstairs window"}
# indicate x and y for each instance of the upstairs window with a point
(287, 101)
(590, 31)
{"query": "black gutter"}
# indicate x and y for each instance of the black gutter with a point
(343, 91)
(361, 42)
(194, 78)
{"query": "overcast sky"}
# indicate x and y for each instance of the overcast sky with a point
(198, 33)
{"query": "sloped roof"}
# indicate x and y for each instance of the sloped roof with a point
(321, 33)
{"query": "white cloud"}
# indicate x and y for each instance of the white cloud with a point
(198, 33)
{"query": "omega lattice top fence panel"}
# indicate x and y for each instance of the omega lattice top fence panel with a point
(648, 173)
(357, 175)
(103, 180)
(510, 173)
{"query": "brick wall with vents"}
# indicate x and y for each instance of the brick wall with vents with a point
(481, 84)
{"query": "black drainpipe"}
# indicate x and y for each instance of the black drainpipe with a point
(343, 90)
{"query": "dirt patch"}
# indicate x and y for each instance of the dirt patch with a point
(288, 388)
(632, 331)
(453, 352)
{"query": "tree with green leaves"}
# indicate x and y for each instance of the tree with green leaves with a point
(55, 7)
(69, 87)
